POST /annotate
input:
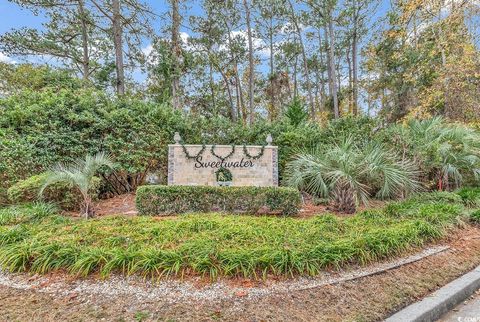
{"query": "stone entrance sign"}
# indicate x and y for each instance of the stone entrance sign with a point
(222, 165)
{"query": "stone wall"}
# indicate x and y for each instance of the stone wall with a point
(245, 171)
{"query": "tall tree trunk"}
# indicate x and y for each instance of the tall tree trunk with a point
(241, 110)
(242, 102)
(291, 93)
(329, 70)
(316, 89)
(355, 71)
(331, 63)
(251, 63)
(350, 80)
(305, 62)
(369, 103)
(118, 44)
(233, 115)
(338, 68)
(295, 82)
(176, 51)
(356, 18)
(238, 84)
(84, 32)
(322, 79)
(237, 96)
(212, 87)
(272, 66)
(441, 47)
(415, 29)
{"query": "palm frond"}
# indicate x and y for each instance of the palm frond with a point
(361, 169)
(79, 173)
(93, 163)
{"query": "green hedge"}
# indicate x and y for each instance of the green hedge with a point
(157, 200)
(63, 194)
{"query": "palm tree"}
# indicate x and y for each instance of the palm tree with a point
(459, 156)
(80, 174)
(445, 153)
(349, 174)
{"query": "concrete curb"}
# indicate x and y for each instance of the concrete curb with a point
(440, 302)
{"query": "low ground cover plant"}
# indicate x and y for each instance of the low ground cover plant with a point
(475, 216)
(158, 199)
(470, 196)
(219, 245)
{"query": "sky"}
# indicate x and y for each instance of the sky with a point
(14, 16)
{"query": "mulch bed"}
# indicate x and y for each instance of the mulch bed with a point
(118, 205)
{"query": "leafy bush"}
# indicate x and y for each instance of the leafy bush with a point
(470, 196)
(40, 129)
(475, 216)
(156, 200)
(63, 194)
(214, 244)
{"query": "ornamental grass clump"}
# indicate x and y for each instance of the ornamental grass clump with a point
(470, 196)
(475, 216)
(349, 173)
(217, 245)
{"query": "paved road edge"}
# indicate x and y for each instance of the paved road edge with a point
(440, 302)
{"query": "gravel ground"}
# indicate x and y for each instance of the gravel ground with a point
(361, 294)
(174, 291)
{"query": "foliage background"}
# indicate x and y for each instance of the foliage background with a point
(40, 128)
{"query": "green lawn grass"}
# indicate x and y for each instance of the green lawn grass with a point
(34, 238)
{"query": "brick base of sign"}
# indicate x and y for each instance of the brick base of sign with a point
(246, 171)
(275, 167)
(171, 164)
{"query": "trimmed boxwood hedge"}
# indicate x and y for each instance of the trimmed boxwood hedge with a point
(165, 200)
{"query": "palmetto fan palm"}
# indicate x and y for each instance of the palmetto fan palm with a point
(349, 174)
(80, 174)
(459, 155)
(447, 152)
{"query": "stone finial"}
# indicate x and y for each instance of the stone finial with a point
(269, 139)
(177, 138)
